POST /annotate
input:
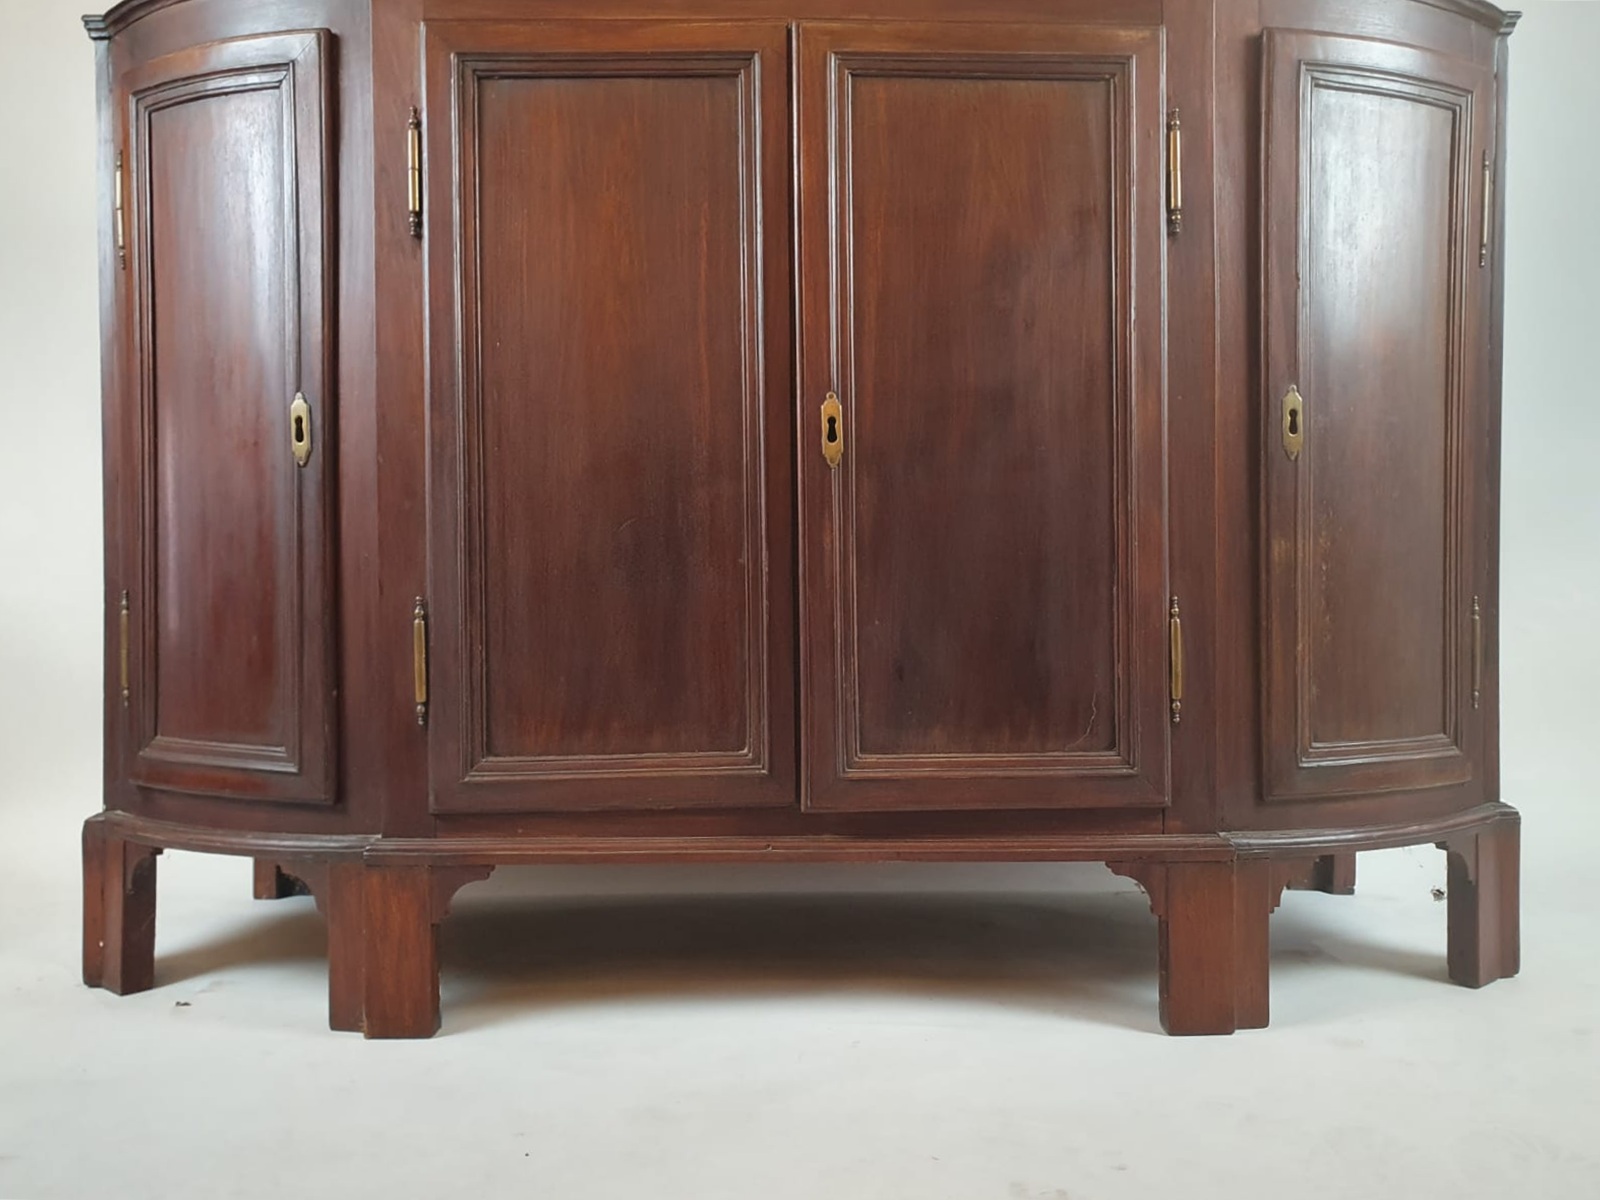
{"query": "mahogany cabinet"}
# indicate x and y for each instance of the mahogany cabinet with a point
(782, 430)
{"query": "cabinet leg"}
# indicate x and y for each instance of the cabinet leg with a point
(1331, 873)
(1199, 961)
(400, 952)
(346, 912)
(1255, 897)
(1483, 886)
(271, 882)
(119, 911)
(94, 904)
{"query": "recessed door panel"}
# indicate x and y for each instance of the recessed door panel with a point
(230, 615)
(610, 568)
(981, 240)
(1373, 231)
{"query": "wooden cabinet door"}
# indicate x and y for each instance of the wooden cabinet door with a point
(982, 232)
(610, 415)
(1374, 243)
(228, 586)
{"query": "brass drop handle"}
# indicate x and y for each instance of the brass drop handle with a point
(1294, 423)
(300, 429)
(832, 430)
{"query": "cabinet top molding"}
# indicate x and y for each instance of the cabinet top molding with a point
(114, 20)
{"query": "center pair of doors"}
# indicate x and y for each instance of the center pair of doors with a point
(662, 573)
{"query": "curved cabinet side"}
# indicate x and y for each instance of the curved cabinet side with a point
(230, 629)
(1359, 398)
(1371, 410)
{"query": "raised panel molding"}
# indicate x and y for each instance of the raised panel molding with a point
(1112, 78)
(515, 726)
(1100, 670)
(750, 755)
(232, 686)
(1321, 78)
(1369, 573)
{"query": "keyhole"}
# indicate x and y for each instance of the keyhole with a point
(299, 430)
(833, 430)
(1294, 422)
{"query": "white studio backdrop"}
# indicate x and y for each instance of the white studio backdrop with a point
(956, 1049)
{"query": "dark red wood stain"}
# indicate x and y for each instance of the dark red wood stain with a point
(580, 418)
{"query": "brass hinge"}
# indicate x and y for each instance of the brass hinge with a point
(419, 658)
(414, 171)
(1488, 206)
(1174, 173)
(122, 634)
(1477, 654)
(1175, 659)
(118, 228)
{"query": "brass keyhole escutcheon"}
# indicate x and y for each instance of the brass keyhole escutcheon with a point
(1294, 433)
(832, 430)
(300, 429)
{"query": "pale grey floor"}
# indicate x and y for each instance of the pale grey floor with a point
(909, 1034)
(770, 1039)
